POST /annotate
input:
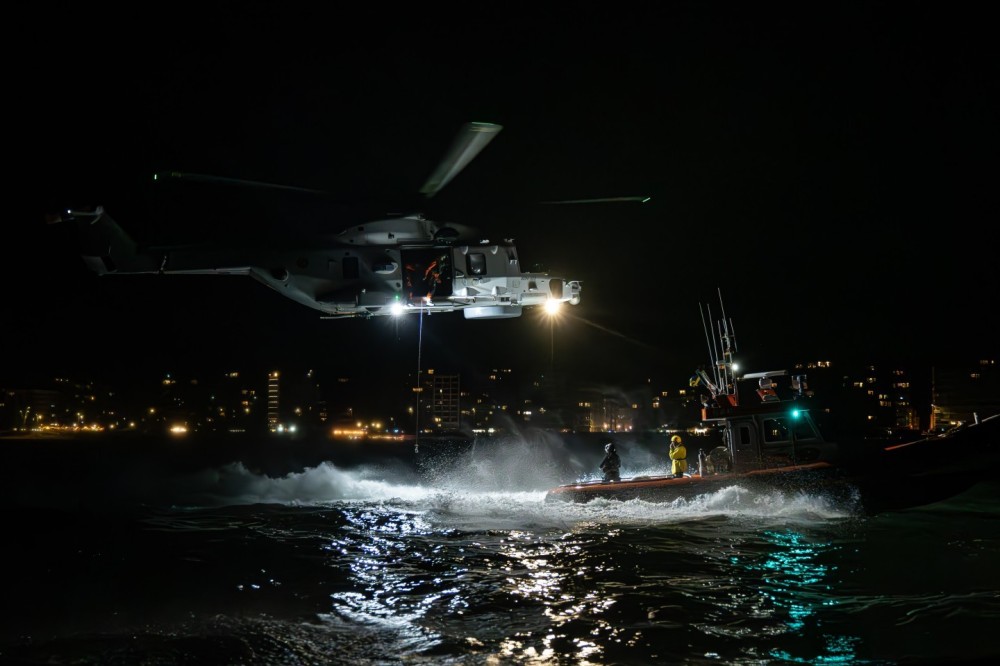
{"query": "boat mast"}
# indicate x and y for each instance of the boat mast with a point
(710, 341)
(721, 347)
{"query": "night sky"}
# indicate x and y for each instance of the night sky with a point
(830, 169)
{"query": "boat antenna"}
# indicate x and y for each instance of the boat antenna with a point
(706, 318)
(730, 329)
(710, 383)
(727, 339)
(722, 360)
(704, 326)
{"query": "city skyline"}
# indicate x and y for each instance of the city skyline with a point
(885, 397)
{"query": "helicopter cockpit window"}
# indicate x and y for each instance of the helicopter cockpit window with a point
(476, 263)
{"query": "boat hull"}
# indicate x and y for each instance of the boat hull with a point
(669, 488)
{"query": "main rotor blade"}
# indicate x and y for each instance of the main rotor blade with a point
(604, 200)
(471, 139)
(205, 178)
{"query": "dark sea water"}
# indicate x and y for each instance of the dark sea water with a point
(144, 552)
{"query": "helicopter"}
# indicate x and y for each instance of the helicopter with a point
(400, 264)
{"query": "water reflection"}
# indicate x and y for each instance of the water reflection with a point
(548, 587)
(794, 587)
(558, 574)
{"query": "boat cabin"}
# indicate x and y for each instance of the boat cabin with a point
(762, 430)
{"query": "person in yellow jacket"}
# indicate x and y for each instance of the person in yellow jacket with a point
(678, 454)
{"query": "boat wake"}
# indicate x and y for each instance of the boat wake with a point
(462, 501)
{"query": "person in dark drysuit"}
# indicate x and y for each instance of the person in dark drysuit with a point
(611, 463)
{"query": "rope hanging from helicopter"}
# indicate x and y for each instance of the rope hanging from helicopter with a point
(417, 390)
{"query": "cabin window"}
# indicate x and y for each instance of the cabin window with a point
(802, 431)
(351, 271)
(427, 274)
(775, 430)
(476, 263)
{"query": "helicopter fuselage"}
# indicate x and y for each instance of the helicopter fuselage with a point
(381, 268)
